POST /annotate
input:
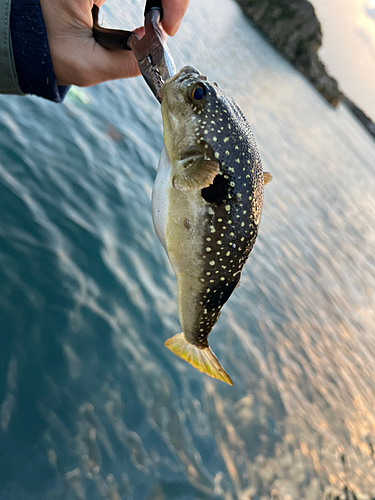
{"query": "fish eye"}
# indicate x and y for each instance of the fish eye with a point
(198, 92)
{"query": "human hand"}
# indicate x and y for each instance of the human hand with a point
(173, 12)
(77, 58)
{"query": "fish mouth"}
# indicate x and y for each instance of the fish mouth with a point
(188, 71)
(185, 73)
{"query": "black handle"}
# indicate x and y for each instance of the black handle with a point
(118, 39)
(154, 4)
(108, 38)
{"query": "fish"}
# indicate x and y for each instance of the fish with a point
(206, 206)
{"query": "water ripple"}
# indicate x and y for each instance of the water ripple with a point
(91, 403)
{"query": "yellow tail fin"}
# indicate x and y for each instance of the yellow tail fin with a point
(202, 359)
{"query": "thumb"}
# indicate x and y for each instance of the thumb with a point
(88, 63)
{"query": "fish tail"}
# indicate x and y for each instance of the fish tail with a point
(203, 359)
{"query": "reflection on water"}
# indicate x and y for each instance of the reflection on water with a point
(91, 403)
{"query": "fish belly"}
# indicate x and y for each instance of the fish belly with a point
(184, 236)
(160, 197)
(178, 221)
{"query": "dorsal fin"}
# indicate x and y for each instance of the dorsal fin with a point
(267, 177)
(195, 173)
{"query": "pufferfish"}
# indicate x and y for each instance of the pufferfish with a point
(206, 206)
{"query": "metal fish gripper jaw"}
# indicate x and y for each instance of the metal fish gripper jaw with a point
(154, 59)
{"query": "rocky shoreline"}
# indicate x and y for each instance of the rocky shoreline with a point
(360, 115)
(294, 29)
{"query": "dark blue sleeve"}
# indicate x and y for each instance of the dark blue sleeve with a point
(31, 51)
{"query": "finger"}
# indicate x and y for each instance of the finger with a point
(93, 64)
(111, 65)
(173, 12)
(115, 64)
(98, 3)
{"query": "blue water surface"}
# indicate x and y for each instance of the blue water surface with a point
(92, 405)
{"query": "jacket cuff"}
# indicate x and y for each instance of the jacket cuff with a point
(8, 76)
(31, 52)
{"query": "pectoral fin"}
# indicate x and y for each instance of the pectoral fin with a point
(203, 359)
(195, 173)
(267, 177)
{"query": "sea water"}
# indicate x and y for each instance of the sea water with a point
(92, 405)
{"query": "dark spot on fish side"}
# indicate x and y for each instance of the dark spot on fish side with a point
(187, 224)
(217, 192)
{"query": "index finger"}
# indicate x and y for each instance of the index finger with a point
(173, 12)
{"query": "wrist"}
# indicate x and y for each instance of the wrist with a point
(31, 51)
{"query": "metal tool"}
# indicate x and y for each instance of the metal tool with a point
(154, 59)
